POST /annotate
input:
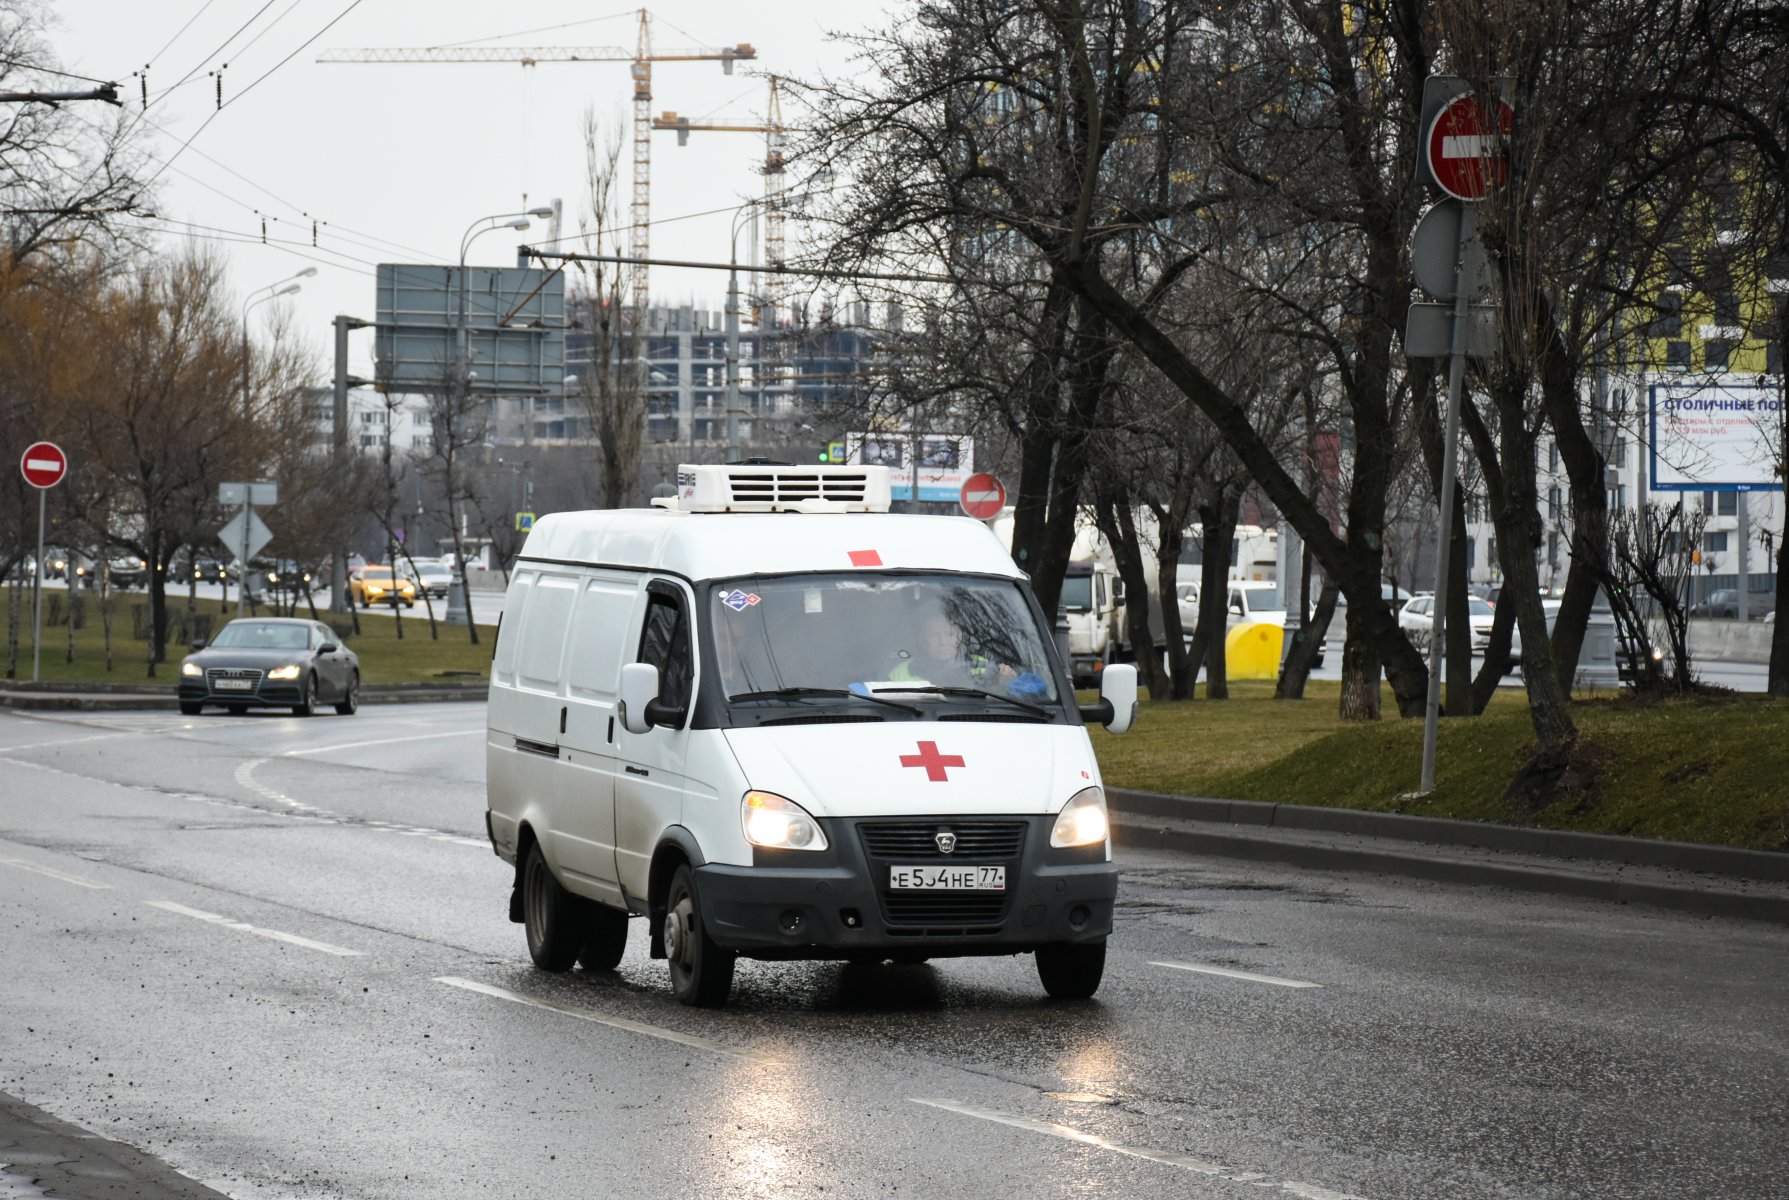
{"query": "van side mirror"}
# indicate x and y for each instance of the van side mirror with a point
(1117, 707)
(641, 709)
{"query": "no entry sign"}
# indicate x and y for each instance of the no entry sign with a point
(983, 496)
(1466, 147)
(43, 464)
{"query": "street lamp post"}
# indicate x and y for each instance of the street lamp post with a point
(462, 365)
(284, 287)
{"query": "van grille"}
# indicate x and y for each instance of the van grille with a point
(949, 910)
(916, 840)
(782, 487)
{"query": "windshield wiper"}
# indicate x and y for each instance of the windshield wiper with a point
(793, 693)
(969, 691)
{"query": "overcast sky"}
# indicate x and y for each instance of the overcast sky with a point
(399, 160)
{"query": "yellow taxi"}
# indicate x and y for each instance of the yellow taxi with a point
(377, 585)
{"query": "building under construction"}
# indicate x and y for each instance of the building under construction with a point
(796, 384)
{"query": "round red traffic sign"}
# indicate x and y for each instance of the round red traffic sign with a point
(43, 464)
(1467, 155)
(982, 496)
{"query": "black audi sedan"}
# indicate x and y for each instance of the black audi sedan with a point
(271, 662)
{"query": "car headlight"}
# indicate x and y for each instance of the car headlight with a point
(191, 669)
(1082, 821)
(779, 824)
(289, 671)
(272, 578)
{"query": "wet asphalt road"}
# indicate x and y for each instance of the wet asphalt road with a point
(275, 952)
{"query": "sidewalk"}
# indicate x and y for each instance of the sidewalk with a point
(42, 1156)
(1709, 880)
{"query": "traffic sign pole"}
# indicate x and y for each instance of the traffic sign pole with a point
(43, 465)
(37, 593)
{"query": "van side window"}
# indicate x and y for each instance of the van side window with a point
(665, 643)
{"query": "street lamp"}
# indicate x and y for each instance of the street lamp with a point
(284, 287)
(504, 221)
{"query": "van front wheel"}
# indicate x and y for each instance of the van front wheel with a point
(1071, 972)
(549, 915)
(701, 972)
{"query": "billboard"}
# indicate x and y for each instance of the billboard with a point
(1716, 437)
(515, 327)
(945, 461)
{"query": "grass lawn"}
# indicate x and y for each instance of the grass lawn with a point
(1714, 771)
(383, 657)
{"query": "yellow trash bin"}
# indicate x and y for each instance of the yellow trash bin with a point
(1252, 650)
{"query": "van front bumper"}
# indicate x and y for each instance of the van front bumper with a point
(838, 903)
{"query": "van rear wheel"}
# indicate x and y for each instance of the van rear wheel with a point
(1071, 972)
(549, 915)
(701, 972)
(605, 937)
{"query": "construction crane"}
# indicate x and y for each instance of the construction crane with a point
(641, 57)
(776, 286)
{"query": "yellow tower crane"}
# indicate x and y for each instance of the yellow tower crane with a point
(641, 57)
(775, 285)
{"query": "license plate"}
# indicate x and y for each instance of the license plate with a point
(947, 879)
(235, 685)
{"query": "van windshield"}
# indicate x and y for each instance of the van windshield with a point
(921, 642)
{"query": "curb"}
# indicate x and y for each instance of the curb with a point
(1762, 865)
(1190, 837)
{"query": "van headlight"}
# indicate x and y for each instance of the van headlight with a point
(289, 671)
(1082, 821)
(778, 824)
(191, 670)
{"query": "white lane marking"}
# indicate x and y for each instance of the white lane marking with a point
(53, 873)
(245, 927)
(421, 737)
(1227, 973)
(584, 1014)
(92, 737)
(1186, 1162)
(245, 775)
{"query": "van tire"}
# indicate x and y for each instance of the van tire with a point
(549, 916)
(701, 972)
(605, 937)
(1071, 972)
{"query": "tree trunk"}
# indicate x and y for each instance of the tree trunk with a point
(158, 601)
(1519, 538)
(1490, 672)
(465, 584)
(1585, 469)
(1217, 517)
(1306, 644)
(1038, 443)
(1112, 511)
(1169, 540)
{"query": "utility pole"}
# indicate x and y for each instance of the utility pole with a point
(338, 575)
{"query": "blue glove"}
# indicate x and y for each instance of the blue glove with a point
(1029, 686)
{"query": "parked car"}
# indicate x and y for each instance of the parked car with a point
(1723, 602)
(373, 586)
(271, 662)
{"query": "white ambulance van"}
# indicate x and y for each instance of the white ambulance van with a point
(778, 721)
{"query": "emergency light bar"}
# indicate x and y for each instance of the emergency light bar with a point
(774, 487)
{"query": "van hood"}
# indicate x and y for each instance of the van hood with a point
(895, 768)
